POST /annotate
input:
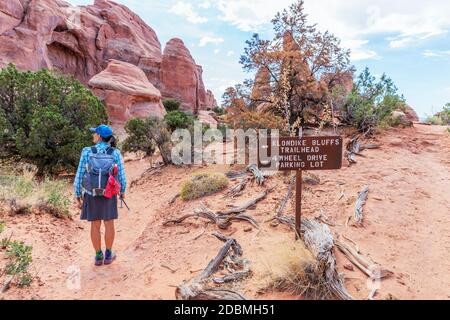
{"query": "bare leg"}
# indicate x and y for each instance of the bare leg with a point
(110, 233)
(96, 237)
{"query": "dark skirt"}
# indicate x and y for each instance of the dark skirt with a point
(99, 208)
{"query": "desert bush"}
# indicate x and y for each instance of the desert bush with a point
(293, 270)
(371, 103)
(178, 120)
(23, 193)
(2, 226)
(144, 134)
(138, 137)
(171, 104)
(45, 117)
(219, 111)
(202, 185)
(19, 261)
(441, 118)
(254, 120)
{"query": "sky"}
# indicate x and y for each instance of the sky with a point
(409, 40)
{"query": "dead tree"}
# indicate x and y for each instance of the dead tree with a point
(373, 271)
(222, 221)
(259, 176)
(362, 198)
(237, 189)
(198, 288)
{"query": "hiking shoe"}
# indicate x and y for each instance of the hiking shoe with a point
(99, 258)
(110, 256)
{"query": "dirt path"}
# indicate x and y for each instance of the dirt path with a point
(406, 229)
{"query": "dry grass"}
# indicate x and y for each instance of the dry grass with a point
(22, 193)
(202, 185)
(294, 270)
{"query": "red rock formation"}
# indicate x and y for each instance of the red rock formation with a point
(81, 40)
(181, 77)
(127, 93)
(211, 101)
(411, 114)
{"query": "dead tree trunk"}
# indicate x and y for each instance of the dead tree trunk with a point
(196, 290)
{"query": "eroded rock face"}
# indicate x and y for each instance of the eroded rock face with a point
(181, 77)
(127, 93)
(211, 101)
(411, 114)
(81, 40)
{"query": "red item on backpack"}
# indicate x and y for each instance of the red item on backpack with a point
(113, 186)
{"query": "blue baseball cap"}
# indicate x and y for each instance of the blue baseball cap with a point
(103, 131)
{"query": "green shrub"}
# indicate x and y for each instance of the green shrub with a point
(56, 198)
(220, 111)
(171, 105)
(202, 185)
(144, 134)
(435, 121)
(44, 118)
(178, 120)
(441, 118)
(20, 260)
(50, 195)
(139, 137)
(2, 226)
(372, 103)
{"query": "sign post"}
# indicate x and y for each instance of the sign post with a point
(298, 202)
(305, 154)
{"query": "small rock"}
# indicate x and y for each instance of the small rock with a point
(349, 266)
(248, 229)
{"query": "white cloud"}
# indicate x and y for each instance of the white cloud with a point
(210, 39)
(216, 51)
(436, 54)
(403, 22)
(230, 53)
(205, 4)
(186, 10)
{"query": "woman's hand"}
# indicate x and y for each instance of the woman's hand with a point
(122, 196)
(79, 203)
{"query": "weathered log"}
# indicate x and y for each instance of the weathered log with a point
(259, 176)
(362, 198)
(7, 283)
(237, 189)
(234, 175)
(372, 270)
(174, 198)
(246, 205)
(319, 241)
(196, 290)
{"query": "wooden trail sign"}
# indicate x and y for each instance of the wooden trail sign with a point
(302, 154)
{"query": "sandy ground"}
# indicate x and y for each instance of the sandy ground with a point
(406, 229)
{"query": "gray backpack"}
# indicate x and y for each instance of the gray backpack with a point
(99, 166)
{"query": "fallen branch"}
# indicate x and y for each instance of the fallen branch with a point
(7, 283)
(222, 221)
(174, 198)
(237, 189)
(362, 198)
(319, 241)
(196, 289)
(246, 205)
(259, 176)
(372, 270)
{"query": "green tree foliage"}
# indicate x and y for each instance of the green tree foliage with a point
(178, 120)
(441, 118)
(144, 134)
(171, 104)
(139, 138)
(372, 102)
(44, 118)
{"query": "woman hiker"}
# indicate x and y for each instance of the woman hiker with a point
(96, 165)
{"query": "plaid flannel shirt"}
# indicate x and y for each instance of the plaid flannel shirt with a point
(101, 147)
